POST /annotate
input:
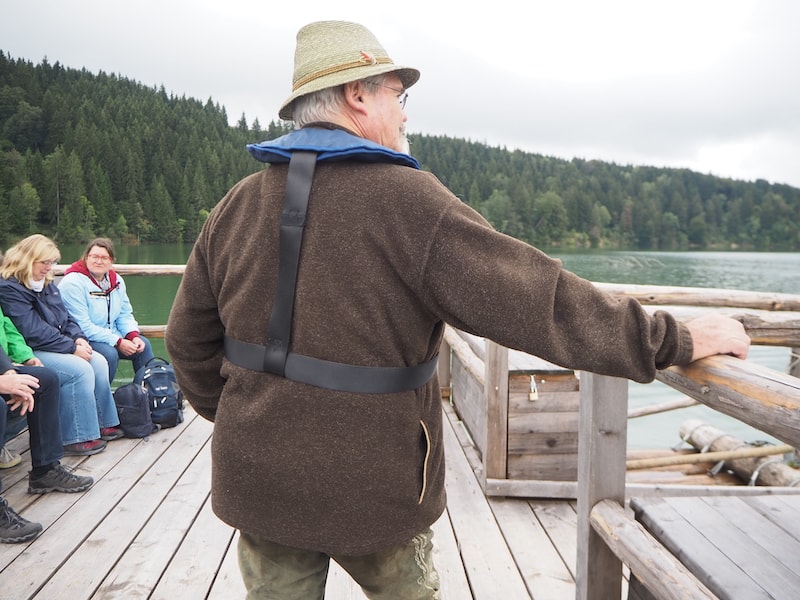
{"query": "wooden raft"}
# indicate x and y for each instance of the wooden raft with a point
(741, 548)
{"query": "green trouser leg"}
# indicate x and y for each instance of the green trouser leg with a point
(275, 572)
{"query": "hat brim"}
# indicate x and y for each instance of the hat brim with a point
(409, 76)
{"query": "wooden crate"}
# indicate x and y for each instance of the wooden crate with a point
(521, 414)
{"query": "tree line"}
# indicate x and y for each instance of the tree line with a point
(85, 154)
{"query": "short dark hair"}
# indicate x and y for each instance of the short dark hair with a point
(105, 243)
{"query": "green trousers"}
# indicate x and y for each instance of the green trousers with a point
(275, 572)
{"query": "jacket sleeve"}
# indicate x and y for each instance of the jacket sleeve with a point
(5, 365)
(21, 308)
(195, 335)
(18, 350)
(521, 298)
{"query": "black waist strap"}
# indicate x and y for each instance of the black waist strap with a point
(275, 356)
(332, 375)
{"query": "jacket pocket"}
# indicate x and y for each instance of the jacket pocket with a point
(425, 442)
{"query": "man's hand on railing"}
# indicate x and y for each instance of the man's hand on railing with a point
(715, 334)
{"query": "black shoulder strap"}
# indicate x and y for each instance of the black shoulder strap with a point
(275, 356)
(293, 221)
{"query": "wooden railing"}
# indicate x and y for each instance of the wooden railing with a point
(608, 536)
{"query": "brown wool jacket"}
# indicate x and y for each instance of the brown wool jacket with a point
(389, 255)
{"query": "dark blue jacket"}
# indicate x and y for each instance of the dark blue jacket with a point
(40, 317)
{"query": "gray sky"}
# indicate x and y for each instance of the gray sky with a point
(710, 85)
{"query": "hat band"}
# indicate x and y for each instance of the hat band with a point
(359, 63)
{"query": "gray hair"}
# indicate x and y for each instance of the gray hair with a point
(324, 105)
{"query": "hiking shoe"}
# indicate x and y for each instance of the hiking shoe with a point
(13, 528)
(84, 448)
(110, 434)
(8, 459)
(59, 479)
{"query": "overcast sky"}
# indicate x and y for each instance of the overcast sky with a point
(710, 85)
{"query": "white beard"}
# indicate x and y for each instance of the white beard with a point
(405, 146)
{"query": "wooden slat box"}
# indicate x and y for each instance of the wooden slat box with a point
(536, 431)
(741, 548)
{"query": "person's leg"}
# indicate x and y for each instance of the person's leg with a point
(111, 355)
(13, 528)
(143, 357)
(272, 571)
(104, 399)
(44, 424)
(405, 571)
(8, 459)
(77, 411)
(44, 430)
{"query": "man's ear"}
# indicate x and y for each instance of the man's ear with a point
(354, 96)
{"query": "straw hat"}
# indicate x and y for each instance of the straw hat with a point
(331, 53)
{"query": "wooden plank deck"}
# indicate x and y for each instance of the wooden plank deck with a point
(146, 530)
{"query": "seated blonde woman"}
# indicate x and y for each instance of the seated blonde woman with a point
(29, 298)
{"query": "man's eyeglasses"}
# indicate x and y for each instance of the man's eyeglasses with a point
(98, 257)
(402, 96)
(48, 263)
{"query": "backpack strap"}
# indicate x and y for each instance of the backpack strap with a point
(275, 356)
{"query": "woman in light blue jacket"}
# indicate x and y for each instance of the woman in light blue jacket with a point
(96, 298)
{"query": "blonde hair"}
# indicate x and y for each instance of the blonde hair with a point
(19, 259)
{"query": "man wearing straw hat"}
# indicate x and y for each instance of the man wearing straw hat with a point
(309, 318)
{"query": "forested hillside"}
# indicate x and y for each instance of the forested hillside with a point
(85, 154)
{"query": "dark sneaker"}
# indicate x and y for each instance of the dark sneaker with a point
(85, 448)
(13, 528)
(110, 434)
(59, 479)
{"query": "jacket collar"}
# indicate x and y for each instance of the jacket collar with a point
(80, 267)
(330, 144)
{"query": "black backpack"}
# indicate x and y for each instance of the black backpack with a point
(134, 411)
(164, 396)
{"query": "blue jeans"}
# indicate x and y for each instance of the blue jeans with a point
(406, 571)
(44, 428)
(113, 356)
(86, 403)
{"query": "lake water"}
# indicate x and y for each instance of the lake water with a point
(766, 272)
(763, 272)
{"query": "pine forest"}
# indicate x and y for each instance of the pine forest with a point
(85, 154)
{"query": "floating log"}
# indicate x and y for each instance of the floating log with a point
(765, 470)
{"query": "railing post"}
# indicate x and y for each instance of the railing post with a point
(602, 445)
(496, 392)
(444, 370)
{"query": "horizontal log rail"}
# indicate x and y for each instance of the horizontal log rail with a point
(713, 297)
(763, 398)
(658, 570)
